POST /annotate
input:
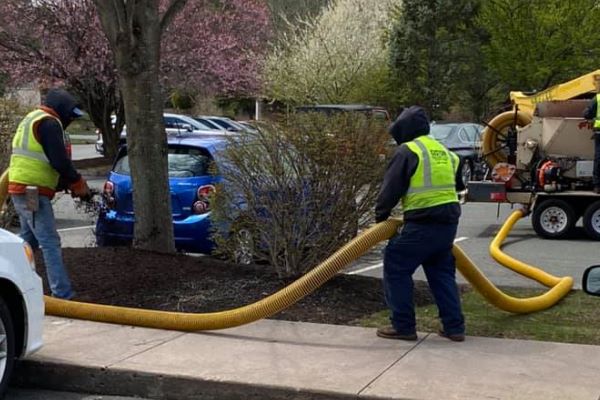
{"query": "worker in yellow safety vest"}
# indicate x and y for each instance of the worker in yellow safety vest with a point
(592, 113)
(425, 177)
(40, 164)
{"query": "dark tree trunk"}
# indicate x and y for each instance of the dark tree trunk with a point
(134, 31)
(101, 101)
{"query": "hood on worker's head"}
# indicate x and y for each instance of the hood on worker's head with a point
(64, 104)
(410, 124)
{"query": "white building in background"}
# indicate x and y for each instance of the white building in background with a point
(27, 96)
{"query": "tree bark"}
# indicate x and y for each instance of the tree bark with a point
(133, 29)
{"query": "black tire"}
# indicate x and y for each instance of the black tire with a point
(553, 219)
(7, 347)
(591, 220)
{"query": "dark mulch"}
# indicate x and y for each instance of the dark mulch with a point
(127, 277)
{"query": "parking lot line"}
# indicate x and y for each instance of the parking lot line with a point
(78, 228)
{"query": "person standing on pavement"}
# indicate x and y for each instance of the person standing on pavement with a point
(39, 166)
(592, 113)
(425, 177)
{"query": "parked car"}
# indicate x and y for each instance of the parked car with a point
(464, 139)
(177, 123)
(191, 181)
(225, 123)
(174, 124)
(21, 304)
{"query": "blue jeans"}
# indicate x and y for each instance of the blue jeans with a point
(39, 230)
(429, 245)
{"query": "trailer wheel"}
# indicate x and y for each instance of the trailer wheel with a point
(591, 220)
(553, 219)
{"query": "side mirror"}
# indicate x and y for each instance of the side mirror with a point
(186, 127)
(591, 280)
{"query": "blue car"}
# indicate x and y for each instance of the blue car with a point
(190, 159)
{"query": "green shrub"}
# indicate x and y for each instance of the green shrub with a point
(182, 100)
(298, 189)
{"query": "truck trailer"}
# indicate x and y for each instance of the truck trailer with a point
(541, 156)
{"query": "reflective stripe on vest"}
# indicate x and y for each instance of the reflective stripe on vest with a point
(597, 120)
(431, 185)
(28, 162)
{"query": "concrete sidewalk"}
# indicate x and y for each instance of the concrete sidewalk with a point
(288, 360)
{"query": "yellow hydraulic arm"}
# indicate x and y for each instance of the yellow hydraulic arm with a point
(563, 91)
(494, 138)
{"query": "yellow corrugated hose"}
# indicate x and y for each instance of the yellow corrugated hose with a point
(499, 125)
(518, 266)
(292, 293)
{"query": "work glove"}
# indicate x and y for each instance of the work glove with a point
(81, 189)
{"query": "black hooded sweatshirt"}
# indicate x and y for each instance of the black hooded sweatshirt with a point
(411, 124)
(50, 136)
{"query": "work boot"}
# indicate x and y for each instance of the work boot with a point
(388, 332)
(456, 337)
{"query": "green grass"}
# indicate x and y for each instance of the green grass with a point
(575, 319)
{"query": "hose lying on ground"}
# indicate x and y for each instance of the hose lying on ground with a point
(295, 291)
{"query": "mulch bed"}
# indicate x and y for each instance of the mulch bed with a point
(123, 276)
(127, 277)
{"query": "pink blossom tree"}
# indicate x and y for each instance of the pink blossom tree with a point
(134, 32)
(62, 43)
(211, 47)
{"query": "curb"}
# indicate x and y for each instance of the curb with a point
(122, 382)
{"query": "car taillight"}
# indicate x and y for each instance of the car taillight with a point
(108, 193)
(202, 203)
(29, 255)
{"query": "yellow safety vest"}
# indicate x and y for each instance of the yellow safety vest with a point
(597, 120)
(434, 182)
(28, 163)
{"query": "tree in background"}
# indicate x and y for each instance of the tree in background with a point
(285, 14)
(537, 43)
(338, 57)
(217, 48)
(212, 47)
(62, 43)
(477, 88)
(428, 43)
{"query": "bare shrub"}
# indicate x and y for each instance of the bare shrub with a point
(10, 115)
(296, 190)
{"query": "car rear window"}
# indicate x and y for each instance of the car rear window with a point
(441, 132)
(184, 162)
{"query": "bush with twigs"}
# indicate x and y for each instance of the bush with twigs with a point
(296, 190)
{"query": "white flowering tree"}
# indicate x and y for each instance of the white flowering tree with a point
(340, 56)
